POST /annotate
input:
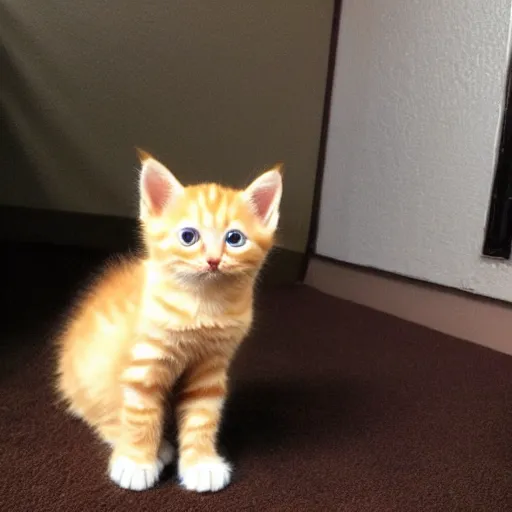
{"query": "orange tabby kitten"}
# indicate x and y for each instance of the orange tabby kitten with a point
(181, 312)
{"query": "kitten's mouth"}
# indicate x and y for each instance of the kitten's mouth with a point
(215, 272)
(211, 272)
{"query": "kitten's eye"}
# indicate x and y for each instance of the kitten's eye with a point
(189, 236)
(235, 238)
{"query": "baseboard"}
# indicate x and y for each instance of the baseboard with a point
(113, 234)
(463, 315)
(33, 225)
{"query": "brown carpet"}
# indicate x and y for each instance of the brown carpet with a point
(334, 408)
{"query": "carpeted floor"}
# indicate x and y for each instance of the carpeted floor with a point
(334, 408)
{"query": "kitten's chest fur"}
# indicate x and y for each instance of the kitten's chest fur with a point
(210, 313)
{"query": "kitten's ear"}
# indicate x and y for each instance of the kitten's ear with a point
(157, 186)
(264, 196)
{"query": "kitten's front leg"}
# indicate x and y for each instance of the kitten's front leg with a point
(141, 453)
(199, 411)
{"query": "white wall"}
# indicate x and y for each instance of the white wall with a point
(415, 123)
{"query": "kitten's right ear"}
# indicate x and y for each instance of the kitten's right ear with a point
(157, 186)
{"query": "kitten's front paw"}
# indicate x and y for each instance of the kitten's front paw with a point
(135, 476)
(209, 474)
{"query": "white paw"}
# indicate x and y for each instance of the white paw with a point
(211, 474)
(138, 477)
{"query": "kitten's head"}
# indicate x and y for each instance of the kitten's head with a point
(208, 231)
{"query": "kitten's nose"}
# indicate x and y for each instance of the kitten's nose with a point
(213, 263)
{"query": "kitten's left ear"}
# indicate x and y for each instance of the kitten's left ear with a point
(264, 196)
(157, 186)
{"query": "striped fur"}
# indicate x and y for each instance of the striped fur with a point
(147, 324)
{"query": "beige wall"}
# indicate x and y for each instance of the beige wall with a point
(217, 90)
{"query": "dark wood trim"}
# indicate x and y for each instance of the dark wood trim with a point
(315, 212)
(283, 267)
(498, 235)
(109, 233)
(104, 234)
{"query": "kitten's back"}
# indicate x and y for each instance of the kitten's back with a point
(98, 336)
